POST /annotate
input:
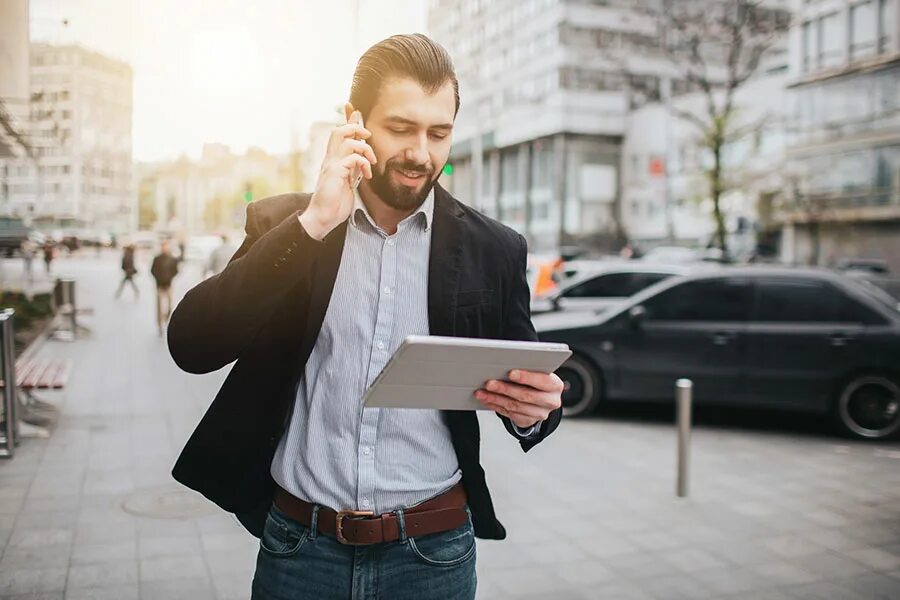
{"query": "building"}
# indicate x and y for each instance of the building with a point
(188, 196)
(665, 188)
(79, 126)
(14, 87)
(844, 156)
(546, 87)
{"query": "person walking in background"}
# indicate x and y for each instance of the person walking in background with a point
(29, 249)
(219, 258)
(49, 254)
(164, 269)
(129, 269)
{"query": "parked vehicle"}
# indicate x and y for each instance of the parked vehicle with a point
(13, 232)
(600, 285)
(794, 339)
(870, 265)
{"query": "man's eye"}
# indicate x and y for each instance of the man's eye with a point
(397, 130)
(438, 136)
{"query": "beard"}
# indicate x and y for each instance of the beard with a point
(398, 196)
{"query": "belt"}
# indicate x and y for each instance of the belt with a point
(357, 528)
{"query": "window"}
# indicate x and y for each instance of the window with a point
(798, 301)
(809, 45)
(832, 40)
(863, 30)
(887, 15)
(614, 285)
(703, 300)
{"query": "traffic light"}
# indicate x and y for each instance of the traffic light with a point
(448, 169)
(248, 192)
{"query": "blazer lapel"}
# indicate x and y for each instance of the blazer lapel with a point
(444, 262)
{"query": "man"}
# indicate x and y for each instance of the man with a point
(219, 258)
(374, 503)
(164, 269)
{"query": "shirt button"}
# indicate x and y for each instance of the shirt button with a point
(387, 291)
(380, 345)
(390, 242)
(366, 451)
(365, 502)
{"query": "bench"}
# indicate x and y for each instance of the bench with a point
(39, 374)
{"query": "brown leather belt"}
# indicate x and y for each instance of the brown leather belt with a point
(357, 528)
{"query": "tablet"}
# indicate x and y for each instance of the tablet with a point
(444, 372)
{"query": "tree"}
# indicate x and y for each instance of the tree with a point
(717, 47)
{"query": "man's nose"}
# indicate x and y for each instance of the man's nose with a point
(418, 152)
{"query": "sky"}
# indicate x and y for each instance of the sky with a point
(239, 72)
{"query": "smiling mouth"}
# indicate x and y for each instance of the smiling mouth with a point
(410, 174)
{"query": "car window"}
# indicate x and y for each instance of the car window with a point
(614, 285)
(799, 301)
(726, 299)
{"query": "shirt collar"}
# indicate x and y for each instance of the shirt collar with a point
(426, 209)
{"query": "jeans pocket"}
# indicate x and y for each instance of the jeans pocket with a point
(445, 549)
(282, 537)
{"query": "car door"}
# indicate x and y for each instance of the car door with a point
(695, 330)
(802, 336)
(606, 290)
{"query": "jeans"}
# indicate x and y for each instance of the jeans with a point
(299, 563)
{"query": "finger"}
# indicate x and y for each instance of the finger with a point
(356, 161)
(522, 419)
(547, 382)
(359, 147)
(350, 130)
(506, 405)
(521, 393)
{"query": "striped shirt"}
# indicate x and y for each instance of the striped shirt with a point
(335, 452)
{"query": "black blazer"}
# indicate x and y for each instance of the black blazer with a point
(265, 311)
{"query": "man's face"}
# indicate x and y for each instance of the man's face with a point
(411, 137)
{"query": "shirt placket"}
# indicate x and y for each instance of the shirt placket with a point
(378, 358)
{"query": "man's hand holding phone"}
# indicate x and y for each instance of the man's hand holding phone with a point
(347, 155)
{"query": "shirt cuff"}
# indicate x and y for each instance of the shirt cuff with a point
(526, 432)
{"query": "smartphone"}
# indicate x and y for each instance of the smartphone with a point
(357, 174)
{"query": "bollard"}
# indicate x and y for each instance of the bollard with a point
(10, 435)
(684, 391)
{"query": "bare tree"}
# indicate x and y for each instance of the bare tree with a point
(716, 47)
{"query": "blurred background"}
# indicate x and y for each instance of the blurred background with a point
(710, 190)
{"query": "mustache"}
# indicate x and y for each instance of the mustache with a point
(423, 169)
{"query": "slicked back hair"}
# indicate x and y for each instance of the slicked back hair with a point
(415, 56)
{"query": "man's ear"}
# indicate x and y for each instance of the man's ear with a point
(348, 110)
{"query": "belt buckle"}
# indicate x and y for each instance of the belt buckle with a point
(339, 524)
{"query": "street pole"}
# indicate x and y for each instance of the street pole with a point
(684, 389)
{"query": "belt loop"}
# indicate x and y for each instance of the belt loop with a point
(401, 523)
(314, 522)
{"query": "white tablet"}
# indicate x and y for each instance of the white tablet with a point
(444, 372)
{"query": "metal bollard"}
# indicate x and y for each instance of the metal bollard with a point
(9, 437)
(684, 391)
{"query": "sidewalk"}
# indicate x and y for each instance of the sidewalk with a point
(92, 512)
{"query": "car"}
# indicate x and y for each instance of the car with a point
(768, 337)
(870, 265)
(600, 285)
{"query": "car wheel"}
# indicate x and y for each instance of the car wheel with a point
(581, 393)
(868, 407)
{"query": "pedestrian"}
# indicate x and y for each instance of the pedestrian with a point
(49, 254)
(164, 269)
(29, 249)
(351, 501)
(218, 258)
(129, 269)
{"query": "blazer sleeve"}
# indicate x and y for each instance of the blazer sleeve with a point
(518, 326)
(219, 317)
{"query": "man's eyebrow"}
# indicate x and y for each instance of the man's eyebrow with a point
(404, 121)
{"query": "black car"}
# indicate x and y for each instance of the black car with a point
(805, 340)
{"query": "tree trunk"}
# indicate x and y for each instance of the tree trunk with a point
(716, 187)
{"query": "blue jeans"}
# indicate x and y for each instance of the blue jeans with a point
(299, 563)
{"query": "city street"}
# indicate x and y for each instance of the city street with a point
(778, 509)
